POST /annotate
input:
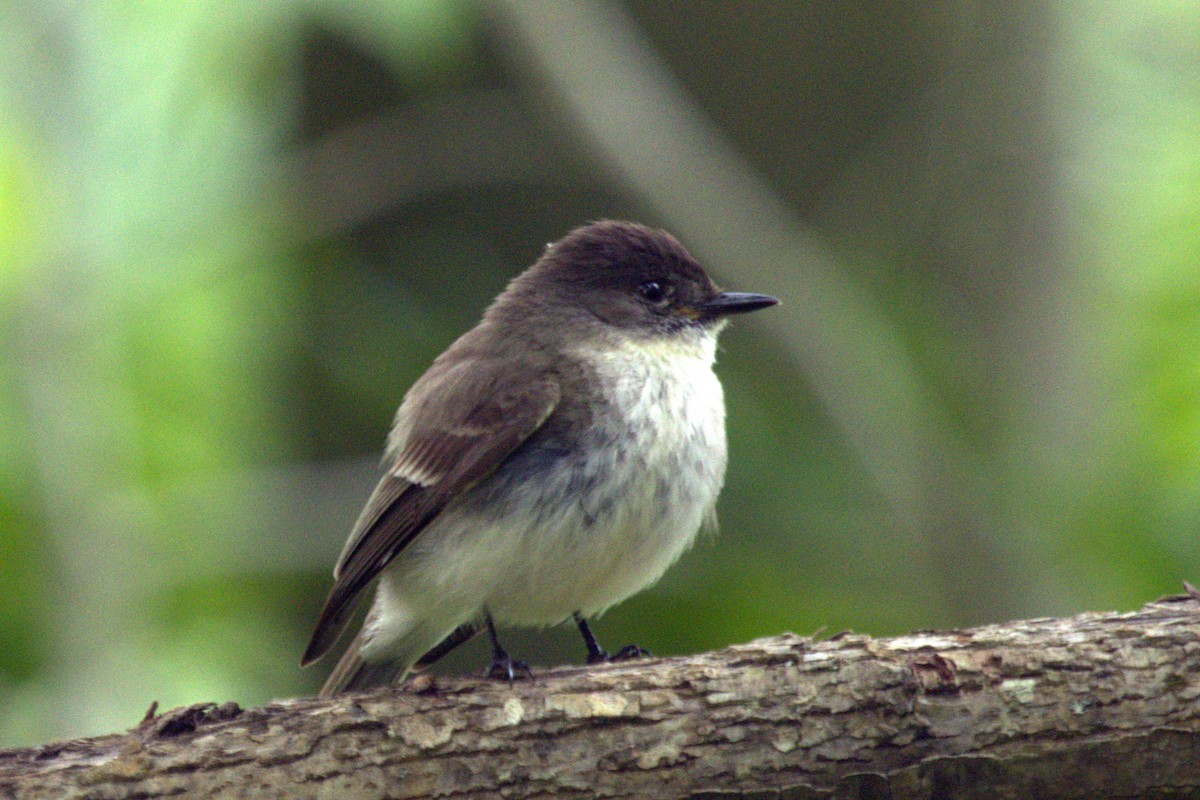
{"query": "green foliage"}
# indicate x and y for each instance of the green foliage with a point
(200, 360)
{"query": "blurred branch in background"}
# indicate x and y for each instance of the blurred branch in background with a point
(454, 142)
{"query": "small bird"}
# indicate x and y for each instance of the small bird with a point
(554, 460)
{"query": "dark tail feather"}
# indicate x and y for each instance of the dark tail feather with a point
(329, 627)
(352, 674)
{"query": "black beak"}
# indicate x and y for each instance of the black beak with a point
(727, 303)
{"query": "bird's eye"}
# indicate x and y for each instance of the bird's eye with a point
(653, 291)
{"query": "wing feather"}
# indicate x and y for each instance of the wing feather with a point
(445, 441)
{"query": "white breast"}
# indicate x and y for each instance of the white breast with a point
(654, 491)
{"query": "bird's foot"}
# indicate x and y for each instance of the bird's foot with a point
(504, 667)
(598, 655)
(626, 653)
(508, 669)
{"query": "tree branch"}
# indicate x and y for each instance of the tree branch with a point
(1097, 705)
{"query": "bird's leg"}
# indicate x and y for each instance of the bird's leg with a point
(595, 654)
(503, 666)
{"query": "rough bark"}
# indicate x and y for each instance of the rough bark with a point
(1097, 705)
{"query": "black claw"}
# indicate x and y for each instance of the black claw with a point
(631, 651)
(504, 667)
(508, 669)
(626, 653)
(596, 655)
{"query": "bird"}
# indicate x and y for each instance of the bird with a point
(556, 459)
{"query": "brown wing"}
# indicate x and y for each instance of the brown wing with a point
(455, 427)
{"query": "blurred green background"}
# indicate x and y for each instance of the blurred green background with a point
(231, 235)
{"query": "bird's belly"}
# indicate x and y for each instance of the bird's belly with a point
(587, 560)
(616, 510)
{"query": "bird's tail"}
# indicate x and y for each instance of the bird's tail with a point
(353, 673)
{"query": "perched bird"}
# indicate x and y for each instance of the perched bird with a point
(555, 460)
